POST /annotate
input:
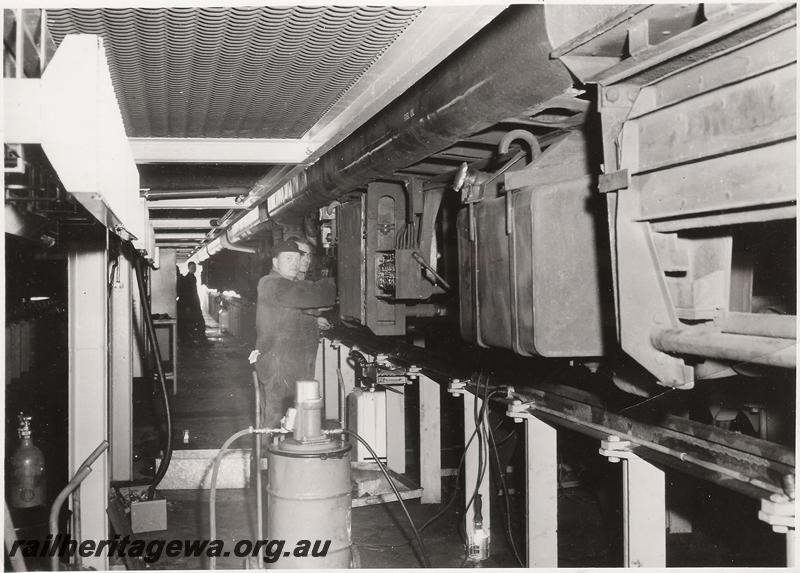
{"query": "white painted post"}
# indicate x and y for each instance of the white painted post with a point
(430, 441)
(643, 499)
(643, 506)
(121, 346)
(329, 363)
(396, 429)
(88, 383)
(542, 493)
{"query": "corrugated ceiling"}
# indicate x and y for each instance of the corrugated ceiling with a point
(262, 72)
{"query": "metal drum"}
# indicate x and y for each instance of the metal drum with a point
(309, 505)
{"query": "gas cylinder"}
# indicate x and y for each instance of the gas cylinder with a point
(27, 466)
(308, 493)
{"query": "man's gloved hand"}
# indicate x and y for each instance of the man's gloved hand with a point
(323, 323)
(253, 356)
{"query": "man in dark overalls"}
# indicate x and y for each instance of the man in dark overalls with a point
(286, 336)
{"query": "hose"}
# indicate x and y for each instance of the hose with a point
(151, 333)
(212, 498)
(342, 399)
(425, 562)
(257, 456)
(16, 559)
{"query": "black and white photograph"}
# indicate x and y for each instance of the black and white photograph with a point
(395, 286)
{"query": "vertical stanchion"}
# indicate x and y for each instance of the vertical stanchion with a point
(396, 429)
(541, 457)
(121, 372)
(87, 265)
(430, 441)
(643, 507)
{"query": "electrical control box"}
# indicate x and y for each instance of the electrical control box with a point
(383, 272)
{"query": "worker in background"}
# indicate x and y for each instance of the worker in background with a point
(286, 337)
(191, 325)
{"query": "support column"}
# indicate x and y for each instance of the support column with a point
(471, 405)
(643, 507)
(541, 486)
(396, 429)
(121, 372)
(430, 441)
(88, 381)
(542, 493)
(328, 359)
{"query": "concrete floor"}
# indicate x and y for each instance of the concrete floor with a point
(215, 399)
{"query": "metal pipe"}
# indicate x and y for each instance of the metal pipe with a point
(76, 524)
(17, 560)
(73, 486)
(19, 48)
(503, 71)
(226, 244)
(737, 347)
(259, 500)
(151, 333)
(42, 41)
(74, 483)
(523, 135)
(417, 257)
(193, 193)
(772, 325)
(425, 310)
(342, 399)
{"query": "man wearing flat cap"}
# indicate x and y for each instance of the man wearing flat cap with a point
(286, 336)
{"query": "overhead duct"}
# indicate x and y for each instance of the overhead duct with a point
(161, 195)
(503, 71)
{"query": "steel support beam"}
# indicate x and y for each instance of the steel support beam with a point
(121, 372)
(88, 381)
(753, 467)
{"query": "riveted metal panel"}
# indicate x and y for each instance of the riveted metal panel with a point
(257, 72)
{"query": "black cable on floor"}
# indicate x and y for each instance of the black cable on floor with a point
(423, 555)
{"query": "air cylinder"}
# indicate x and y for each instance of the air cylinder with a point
(308, 494)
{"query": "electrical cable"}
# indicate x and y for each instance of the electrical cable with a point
(480, 418)
(423, 554)
(501, 475)
(442, 511)
(151, 332)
